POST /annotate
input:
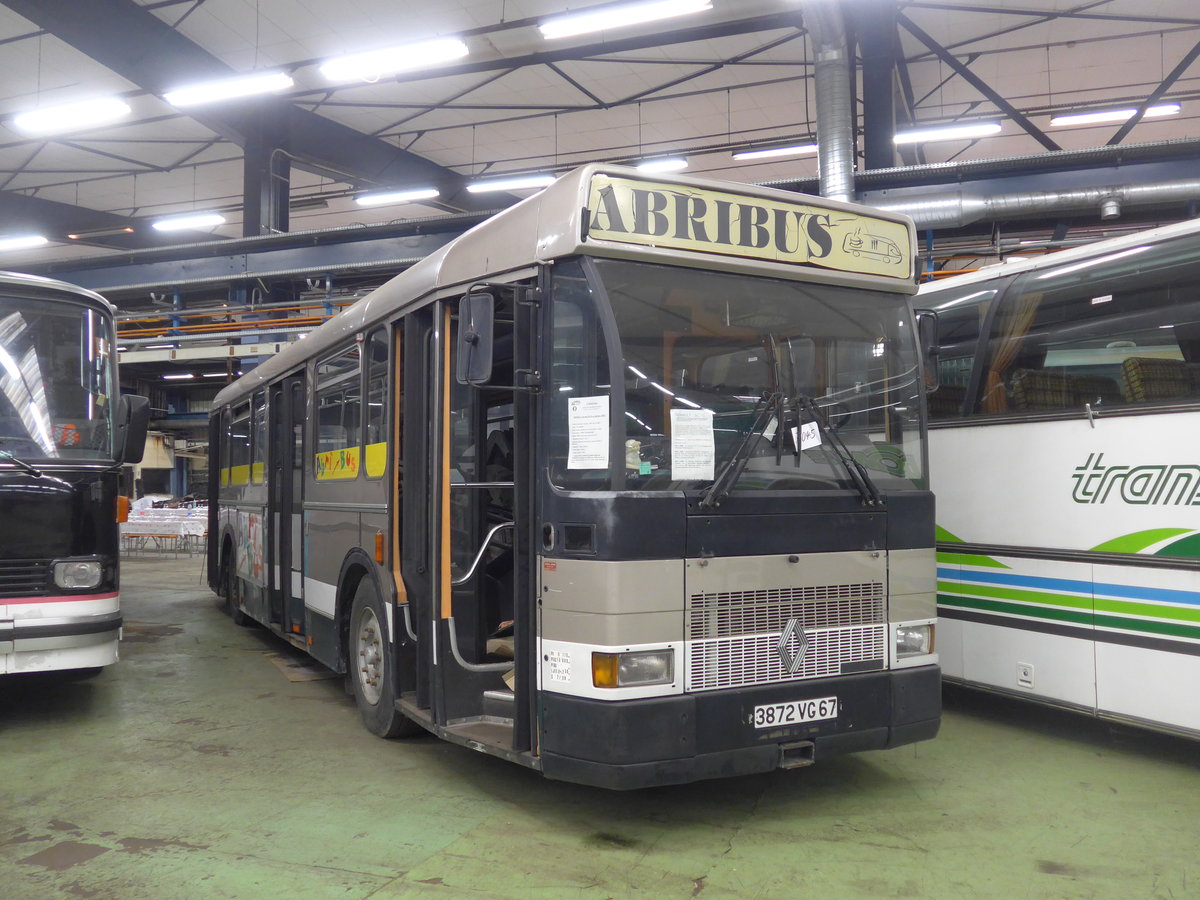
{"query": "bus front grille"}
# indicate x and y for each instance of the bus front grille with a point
(24, 577)
(733, 636)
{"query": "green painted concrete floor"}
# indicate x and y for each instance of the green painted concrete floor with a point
(196, 768)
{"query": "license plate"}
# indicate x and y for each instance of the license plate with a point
(774, 715)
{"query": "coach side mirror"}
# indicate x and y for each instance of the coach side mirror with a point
(476, 315)
(132, 420)
(927, 338)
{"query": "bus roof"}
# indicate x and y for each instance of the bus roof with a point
(38, 283)
(1063, 257)
(613, 211)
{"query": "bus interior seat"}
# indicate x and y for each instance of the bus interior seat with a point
(1148, 380)
(946, 402)
(1034, 389)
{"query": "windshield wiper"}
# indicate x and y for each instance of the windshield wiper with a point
(732, 470)
(32, 470)
(857, 471)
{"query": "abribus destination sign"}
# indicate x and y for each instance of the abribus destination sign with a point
(682, 217)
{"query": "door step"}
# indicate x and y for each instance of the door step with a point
(499, 704)
(489, 731)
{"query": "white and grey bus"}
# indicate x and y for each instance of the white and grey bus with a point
(626, 484)
(1065, 447)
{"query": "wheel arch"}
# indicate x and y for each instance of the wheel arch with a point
(355, 567)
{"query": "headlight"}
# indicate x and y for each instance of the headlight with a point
(76, 575)
(640, 667)
(914, 640)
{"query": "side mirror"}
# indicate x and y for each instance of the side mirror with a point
(476, 317)
(132, 420)
(927, 338)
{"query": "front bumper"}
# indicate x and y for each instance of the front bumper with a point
(671, 740)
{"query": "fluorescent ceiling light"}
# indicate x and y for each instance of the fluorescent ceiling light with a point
(768, 152)
(214, 374)
(619, 17)
(229, 89)
(22, 242)
(71, 116)
(174, 377)
(948, 133)
(374, 64)
(1114, 115)
(674, 164)
(511, 184)
(190, 220)
(383, 199)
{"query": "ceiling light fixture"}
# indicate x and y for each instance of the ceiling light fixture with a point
(71, 116)
(673, 164)
(177, 377)
(619, 17)
(22, 242)
(229, 89)
(511, 184)
(388, 197)
(374, 64)
(768, 152)
(1113, 115)
(966, 131)
(189, 220)
(99, 232)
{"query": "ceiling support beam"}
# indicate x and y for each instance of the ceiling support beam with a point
(876, 27)
(135, 44)
(1156, 95)
(976, 82)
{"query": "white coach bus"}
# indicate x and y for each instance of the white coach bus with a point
(1065, 452)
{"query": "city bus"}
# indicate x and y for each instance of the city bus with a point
(65, 434)
(1066, 462)
(626, 484)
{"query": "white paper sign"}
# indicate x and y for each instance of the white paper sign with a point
(587, 427)
(808, 435)
(693, 450)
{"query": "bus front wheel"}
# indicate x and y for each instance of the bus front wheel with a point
(370, 665)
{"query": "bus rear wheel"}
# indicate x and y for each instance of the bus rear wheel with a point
(370, 665)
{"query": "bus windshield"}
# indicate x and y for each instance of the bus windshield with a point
(767, 384)
(56, 386)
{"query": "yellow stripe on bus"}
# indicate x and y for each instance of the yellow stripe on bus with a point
(337, 465)
(256, 473)
(376, 459)
(225, 477)
(239, 475)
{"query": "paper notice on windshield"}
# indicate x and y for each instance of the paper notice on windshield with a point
(587, 427)
(693, 450)
(807, 435)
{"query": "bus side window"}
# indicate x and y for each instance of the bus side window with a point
(1110, 333)
(258, 446)
(226, 428)
(339, 415)
(239, 446)
(376, 414)
(960, 320)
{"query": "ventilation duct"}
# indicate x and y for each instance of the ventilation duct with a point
(954, 209)
(835, 113)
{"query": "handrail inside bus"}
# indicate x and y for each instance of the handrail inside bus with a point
(469, 666)
(478, 556)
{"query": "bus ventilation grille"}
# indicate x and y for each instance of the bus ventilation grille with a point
(733, 637)
(24, 577)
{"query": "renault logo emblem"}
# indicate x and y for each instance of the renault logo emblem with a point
(792, 646)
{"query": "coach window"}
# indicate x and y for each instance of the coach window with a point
(1120, 329)
(961, 315)
(258, 446)
(339, 414)
(376, 418)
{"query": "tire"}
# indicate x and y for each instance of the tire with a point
(370, 666)
(233, 596)
(84, 673)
